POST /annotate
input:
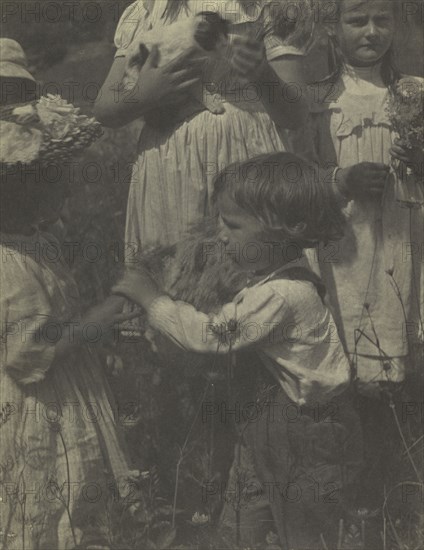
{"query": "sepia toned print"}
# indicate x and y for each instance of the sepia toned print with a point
(211, 259)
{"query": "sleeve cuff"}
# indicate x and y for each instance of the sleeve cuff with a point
(27, 374)
(120, 52)
(279, 51)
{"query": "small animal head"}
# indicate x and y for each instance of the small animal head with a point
(211, 30)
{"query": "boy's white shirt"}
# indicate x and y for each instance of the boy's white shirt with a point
(283, 320)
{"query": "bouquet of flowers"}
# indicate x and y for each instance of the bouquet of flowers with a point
(405, 111)
(44, 131)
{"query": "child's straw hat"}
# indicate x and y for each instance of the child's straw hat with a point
(13, 61)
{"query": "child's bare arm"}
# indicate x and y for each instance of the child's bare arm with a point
(103, 318)
(156, 86)
(280, 81)
(293, 105)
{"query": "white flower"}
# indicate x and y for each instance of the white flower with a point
(199, 519)
(25, 114)
(271, 538)
(19, 143)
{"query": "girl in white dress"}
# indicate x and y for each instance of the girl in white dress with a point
(62, 457)
(176, 163)
(373, 274)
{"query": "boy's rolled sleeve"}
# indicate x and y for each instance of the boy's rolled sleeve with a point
(236, 326)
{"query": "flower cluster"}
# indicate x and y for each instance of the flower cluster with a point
(48, 130)
(406, 112)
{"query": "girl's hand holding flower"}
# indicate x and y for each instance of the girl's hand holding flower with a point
(413, 156)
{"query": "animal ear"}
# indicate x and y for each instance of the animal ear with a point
(144, 53)
(216, 21)
(210, 16)
(139, 58)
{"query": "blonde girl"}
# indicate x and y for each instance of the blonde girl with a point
(372, 280)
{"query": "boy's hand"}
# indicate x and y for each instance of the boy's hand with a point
(108, 314)
(362, 180)
(138, 286)
(248, 57)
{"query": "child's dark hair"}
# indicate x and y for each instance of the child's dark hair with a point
(286, 195)
(19, 202)
(23, 195)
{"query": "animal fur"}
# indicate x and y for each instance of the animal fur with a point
(197, 270)
(176, 39)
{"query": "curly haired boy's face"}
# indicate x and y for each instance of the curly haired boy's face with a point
(243, 237)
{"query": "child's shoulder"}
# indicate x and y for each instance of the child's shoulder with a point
(25, 256)
(287, 285)
(298, 284)
(133, 19)
(135, 11)
(19, 269)
(291, 283)
(33, 268)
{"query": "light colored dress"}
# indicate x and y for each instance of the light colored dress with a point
(172, 177)
(373, 274)
(61, 456)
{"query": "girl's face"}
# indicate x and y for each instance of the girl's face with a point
(243, 237)
(365, 30)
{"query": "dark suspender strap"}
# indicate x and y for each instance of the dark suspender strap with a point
(303, 274)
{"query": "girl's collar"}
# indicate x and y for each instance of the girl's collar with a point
(254, 279)
(370, 74)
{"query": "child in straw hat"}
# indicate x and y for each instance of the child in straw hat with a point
(60, 448)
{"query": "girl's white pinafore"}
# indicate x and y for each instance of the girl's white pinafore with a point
(172, 178)
(374, 274)
(61, 455)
